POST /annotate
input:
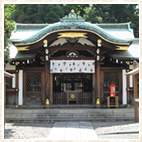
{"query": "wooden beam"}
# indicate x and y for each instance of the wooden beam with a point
(72, 58)
(133, 72)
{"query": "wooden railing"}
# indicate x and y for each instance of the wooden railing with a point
(80, 98)
(12, 96)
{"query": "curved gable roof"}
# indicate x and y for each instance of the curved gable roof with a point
(72, 21)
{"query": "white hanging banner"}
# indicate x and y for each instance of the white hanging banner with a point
(72, 66)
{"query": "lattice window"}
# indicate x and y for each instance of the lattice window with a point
(33, 81)
(8, 82)
(111, 78)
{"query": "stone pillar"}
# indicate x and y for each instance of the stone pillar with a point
(131, 81)
(124, 85)
(20, 94)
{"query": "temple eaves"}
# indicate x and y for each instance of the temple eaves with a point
(74, 22)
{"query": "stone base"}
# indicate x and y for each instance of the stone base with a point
(97, 106)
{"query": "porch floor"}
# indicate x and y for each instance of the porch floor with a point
(61, 106)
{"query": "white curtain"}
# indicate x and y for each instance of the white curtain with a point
(72, 66)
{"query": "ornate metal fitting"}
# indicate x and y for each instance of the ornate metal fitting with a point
(122, 48)
(72, 96)
(45, 41)
(72, 35)
(25, 48)
(99, 41)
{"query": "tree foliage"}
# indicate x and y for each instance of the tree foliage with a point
(94, 13)
(79, 9)
(8, 27)
(37, 13)
(115, 13)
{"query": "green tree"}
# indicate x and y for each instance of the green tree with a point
(37, 13)
(115, 13)
(79, 9)
(8, 27)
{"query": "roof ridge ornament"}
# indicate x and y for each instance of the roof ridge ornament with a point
(72, 17)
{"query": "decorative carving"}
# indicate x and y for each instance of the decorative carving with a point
(23, 48)
(72, 34)
(122, 48)
(72, 96)
(72, 54)
(72, 40)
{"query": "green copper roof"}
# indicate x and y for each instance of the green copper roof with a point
(72, 21)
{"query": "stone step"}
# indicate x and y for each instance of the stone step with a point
(125, 110)
(13, 115)
(67, 119)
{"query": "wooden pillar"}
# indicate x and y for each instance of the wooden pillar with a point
(93, 87)
(47, 79)
(128, 92)
(51, 88)
(4, 97)
(98, 80)
(43, 84)
(136, 96)
(17, 85)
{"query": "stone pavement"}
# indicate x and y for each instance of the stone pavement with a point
(77, 130)
(72, 131)
(129, 136)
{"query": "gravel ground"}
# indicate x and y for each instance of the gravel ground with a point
(27, 130)
(41, 130)
(115, 127)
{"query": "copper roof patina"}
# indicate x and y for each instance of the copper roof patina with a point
(73, 21)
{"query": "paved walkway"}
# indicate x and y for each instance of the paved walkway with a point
(72, 131)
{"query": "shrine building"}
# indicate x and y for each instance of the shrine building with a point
(71, 63)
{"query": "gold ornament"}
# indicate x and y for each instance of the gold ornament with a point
(98, 102)
(72, 16)
(45, 41)
(72, 96)
(72, 34)
(122, 48)
(72, 11)
(99, 41)
(47, 102)
(25, 48)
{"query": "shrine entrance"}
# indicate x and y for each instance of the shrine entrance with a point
(72, 88)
